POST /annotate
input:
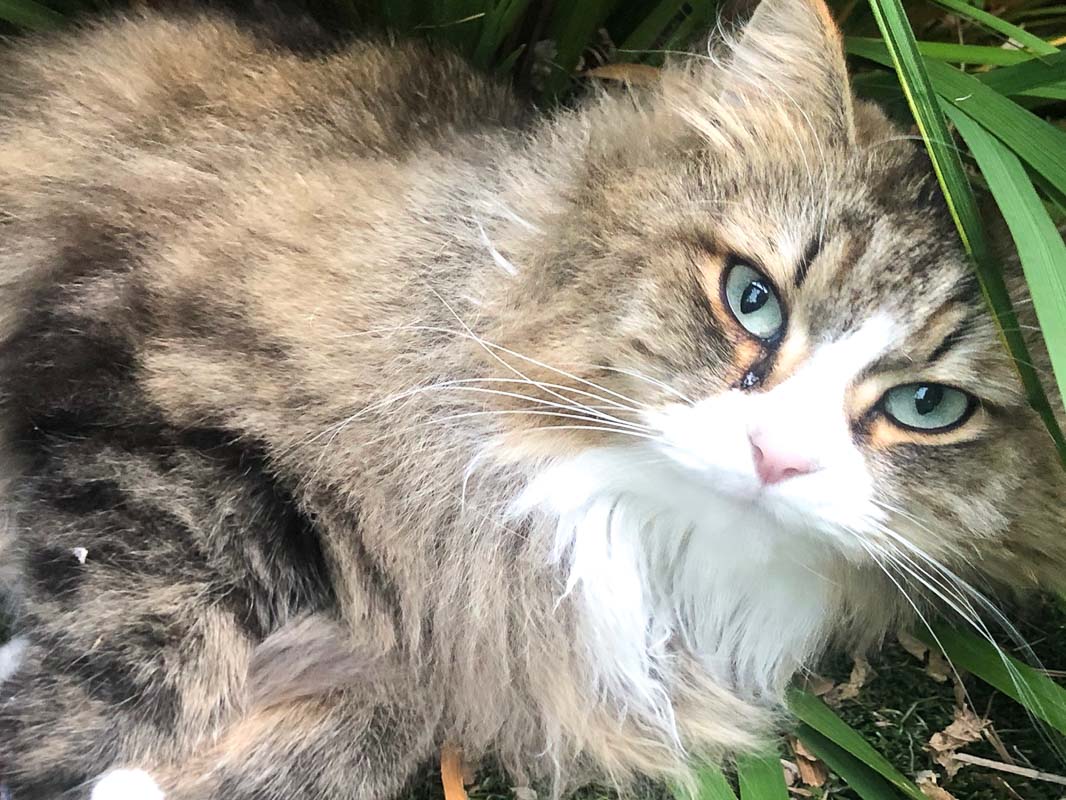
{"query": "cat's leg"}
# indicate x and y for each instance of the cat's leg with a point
(327, 717)
(148, 579)
(142, 669)
(343, 746)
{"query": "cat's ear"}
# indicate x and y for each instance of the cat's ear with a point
(790, 54)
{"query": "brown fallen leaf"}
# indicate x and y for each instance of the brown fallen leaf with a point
(818, 685)
(965, 729)
(861, 674)
(916, 647)
(812, 771)
(938, 667)
(792, 773)
(927, 782)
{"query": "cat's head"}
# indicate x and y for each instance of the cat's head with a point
(757, 297)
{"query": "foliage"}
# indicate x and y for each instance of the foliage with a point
(989, 70)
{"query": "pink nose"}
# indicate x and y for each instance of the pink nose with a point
(777, 465)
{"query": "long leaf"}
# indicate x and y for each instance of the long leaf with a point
(761, 777)
(1029, 74)
(573, 27)
(1036, 141)
(992, 22)
(28, 14)
(823, 719)
(861, 779)
(651, 29)
(1038, 693)
(959, 53)
(1040, 247)
(911, 69)
(711, 784)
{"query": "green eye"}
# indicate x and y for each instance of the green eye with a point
(928, 406)
(753, 301)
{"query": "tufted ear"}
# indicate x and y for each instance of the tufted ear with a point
(790, 55)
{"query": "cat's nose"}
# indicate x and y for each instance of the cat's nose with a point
(777, 464)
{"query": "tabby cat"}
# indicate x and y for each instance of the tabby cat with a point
(351, 411)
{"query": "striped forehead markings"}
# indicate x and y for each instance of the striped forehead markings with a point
(814, 246)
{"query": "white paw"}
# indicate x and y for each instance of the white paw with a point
(127, 784)
(11, 655)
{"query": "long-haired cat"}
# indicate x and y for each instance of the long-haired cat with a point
(350, 411)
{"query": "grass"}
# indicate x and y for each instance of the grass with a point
(990, 71)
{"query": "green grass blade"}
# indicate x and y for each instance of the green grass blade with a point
(573, 27)
(918, 88)
(1038, 693)
(498, 25)
(1001, 26)
(1040, 247)
(712, 785)
(816, 714)
(650, 30)
(761, 777)
(703, 12)
(1029, 74)
(961, 53)
(862, 780)
(27, 14)
(1036, 141)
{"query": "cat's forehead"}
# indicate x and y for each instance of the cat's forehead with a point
(866, 254)
(854, 242)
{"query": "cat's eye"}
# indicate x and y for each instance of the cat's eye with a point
(753, 301)
(928, 406)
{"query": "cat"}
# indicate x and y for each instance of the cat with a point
(351, 410)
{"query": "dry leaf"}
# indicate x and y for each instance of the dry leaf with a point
(792, 773)
(812, 772)
(861, 673)
(927, 782)
(938, 668)
(965, 729)
(818, 685)
(915, 647)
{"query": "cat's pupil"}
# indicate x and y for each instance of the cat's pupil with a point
(927, 398)
(755, 296)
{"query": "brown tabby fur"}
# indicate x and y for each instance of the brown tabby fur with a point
(226, 268)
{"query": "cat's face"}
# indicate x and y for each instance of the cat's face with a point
(772, 298)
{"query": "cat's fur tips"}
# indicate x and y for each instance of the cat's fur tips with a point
(349, 410)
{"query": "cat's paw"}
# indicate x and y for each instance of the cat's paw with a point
(127, 784)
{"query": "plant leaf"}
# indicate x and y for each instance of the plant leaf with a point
(1029, 74)
(761, 777)
(28, 14)
(959, 53)
(824, 720)
(1001, 26)
(712, 784)
(902, 52)
(861, 779)
(1038, 693)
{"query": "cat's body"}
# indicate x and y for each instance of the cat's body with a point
(344, 409)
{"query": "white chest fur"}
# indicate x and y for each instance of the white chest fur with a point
(653, 559)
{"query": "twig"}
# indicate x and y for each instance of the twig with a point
(1025, 772)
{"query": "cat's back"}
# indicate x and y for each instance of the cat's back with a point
(147, 149)
(154, 80)
(177, 192)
